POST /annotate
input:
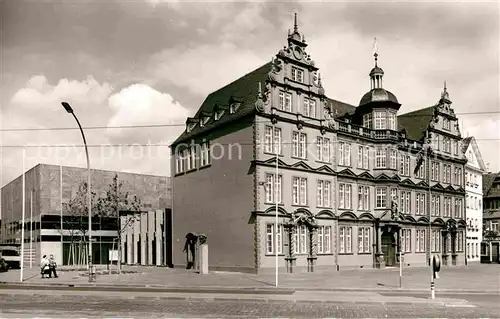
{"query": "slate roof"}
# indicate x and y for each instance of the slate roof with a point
(465, 143)
(244, 89)
(488, 181)
(416, 123)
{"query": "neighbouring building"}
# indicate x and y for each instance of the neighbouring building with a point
(342, 177)
(490, 247)
(51, 229)
(474, 170)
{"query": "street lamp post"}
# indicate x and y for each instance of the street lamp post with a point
(68, 109)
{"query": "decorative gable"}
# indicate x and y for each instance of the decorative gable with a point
(326, 169)
(347, 172)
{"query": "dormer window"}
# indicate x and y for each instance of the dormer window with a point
(234, 107)
(297, 75)
(218, 114)
(190, 126)
(204, 120)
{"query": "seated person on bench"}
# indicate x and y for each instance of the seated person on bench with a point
(45, 267)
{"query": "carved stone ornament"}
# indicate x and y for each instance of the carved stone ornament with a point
(323, 129)
(274, 113)
(276, 67)
(259, 104)
(315, 78)
(299, 121)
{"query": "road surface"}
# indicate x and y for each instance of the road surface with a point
(64, 306)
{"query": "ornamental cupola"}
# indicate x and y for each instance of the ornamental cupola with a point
(377, 92)
(378, 107)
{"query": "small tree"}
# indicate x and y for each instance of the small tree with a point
(75, 222)
(114, 201)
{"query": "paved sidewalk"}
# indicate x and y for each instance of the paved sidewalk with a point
(296, 297)
(472, 278)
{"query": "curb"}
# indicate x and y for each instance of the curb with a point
(223, 289)
(458, 303)
(148, 288)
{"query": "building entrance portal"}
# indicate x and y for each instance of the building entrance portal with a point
(389, 248)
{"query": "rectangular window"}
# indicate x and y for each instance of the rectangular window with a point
(323, 193)
(274, 188)
(446, 124)
(435, 205)
(345, 196)
(272, 140)
(380, 158)
(363, 239)
(381, 197)
(285, 103)
(420, 241)
(324, 239)
(204, 154)
(392, 121)
(297, 75)
(393, 159)
(404, 168)
(323, 149)
(421, 171)
(367, 120)
(459, 244)
(436, 240)
(299, 191)
(447, 206)
(380, 120)
(363, 198)
(458, 208)
(405, 202)
(344, 154)
(300, 237)
(271, 236)
(406, 240)
(446, 173)
(345, 236)
(309, 108)
(363, 156)
(178, 163)
(435, 171)
(299, 145)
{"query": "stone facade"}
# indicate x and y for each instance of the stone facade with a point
(474, 170)
(320, 183)
(48, 187)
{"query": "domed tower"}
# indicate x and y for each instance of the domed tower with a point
(378, 108)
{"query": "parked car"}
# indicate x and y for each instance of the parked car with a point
(11, 257)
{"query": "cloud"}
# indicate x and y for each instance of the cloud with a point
(39, 93)
(203, 69)
(139, 104)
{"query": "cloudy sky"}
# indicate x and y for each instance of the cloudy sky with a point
(141, 62)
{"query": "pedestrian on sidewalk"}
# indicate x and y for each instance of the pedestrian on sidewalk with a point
(52, 266)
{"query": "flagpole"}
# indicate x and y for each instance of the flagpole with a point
(22, 220)
(276, 202)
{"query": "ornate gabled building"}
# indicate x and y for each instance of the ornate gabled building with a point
(344, 178)
(490, 247)
(474, 170)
